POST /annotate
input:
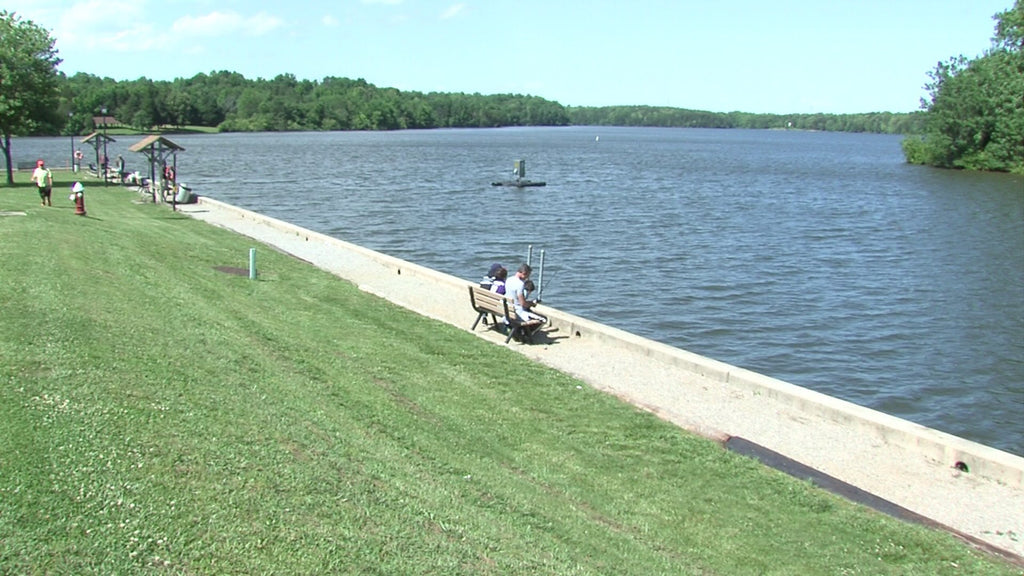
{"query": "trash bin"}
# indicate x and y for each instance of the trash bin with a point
(184, 195)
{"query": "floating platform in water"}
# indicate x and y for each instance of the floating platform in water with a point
(519, 171)
(519, 183)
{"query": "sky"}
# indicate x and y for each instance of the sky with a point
(763, 56)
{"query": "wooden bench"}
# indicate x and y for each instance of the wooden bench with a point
(502, 314)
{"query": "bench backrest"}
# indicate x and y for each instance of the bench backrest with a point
(485, 301)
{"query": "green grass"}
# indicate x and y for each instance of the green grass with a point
(158, 415)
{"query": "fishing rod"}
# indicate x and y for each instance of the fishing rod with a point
(540, 271)
(540, 275)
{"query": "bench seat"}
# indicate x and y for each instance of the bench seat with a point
(502, 314)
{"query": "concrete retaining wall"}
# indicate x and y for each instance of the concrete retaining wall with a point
(446, 298)
(934, 444)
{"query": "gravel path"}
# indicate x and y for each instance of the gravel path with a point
(906, 464)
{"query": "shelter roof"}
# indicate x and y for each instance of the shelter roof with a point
(97, 136)
(159, 141)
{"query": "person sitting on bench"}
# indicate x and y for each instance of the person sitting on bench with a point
(498, 283)
(530, 287)
(515, 288)
(488, 280)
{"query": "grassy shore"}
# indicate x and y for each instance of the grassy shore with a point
(160, 415)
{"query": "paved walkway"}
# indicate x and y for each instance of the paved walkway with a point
(889, 458)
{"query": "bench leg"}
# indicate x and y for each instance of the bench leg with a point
(479, 317)
(521, 332)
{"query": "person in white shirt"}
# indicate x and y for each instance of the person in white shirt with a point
(515, 288)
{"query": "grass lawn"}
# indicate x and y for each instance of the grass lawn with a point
(158, 415)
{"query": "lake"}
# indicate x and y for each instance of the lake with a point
(821, 259)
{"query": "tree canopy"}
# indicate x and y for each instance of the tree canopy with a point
(975, 119)
(28, 81)
(232, 103)
(876, 122)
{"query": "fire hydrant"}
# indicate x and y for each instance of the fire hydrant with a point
(78, 197)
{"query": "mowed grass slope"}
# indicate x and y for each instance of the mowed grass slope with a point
(158, 415)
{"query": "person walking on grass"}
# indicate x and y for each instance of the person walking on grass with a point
(44, 181)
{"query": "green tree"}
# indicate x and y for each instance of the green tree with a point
(975, 119)
(1010, 29)
(141, 104)
(180, 109)
(29, 81)
(230, 102)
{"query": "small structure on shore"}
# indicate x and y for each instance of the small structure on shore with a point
(99, 140)
(157, 150)
(519, 171)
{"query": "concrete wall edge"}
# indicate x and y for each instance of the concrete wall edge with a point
(941, 447)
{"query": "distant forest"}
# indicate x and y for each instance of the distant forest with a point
(229, 102)
(877, 122)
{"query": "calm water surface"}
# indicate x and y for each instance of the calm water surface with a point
(821, 259)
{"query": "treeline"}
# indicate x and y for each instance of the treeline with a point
(230, 102)
(877, 122)
(975, 119)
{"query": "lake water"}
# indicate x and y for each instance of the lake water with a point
(821, 259)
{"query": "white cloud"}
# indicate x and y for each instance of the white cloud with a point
(263, 23)
(118, 26)
(212, 24)
(104, 14)
(91, 24)
(329, 20)
(226, 23)
(452, 11)
(135, 39)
